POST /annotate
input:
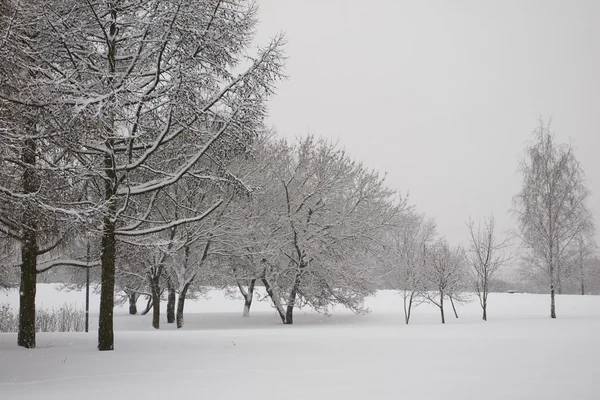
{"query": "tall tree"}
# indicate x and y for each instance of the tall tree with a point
(151, 88)
(551, 207)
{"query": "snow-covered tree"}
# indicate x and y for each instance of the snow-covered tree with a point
(485, 255)
(329, 212)
(145, 90)
(551, 208)
(444, 275)
(403, 256)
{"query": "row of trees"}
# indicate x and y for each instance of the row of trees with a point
(104, 107)
(132, 138)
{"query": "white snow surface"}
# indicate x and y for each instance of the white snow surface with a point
(520, 353)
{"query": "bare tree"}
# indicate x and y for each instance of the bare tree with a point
(444, 275)
(551, 208)
(404, 259)
(485, 256)
(583, 249)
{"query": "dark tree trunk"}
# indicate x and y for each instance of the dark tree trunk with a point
(106, 340)
(26, 335)
(133, 303)
(107, 292)
(171, 306)
(582, 273)
(274, 298)
(453, 307)
(181, 304)
(29, 252)
(553, 270)
(484, 306)
(148, 306)
(442, 309)
(552, 303)
(408, 301)
(289, 312)
(155, 287)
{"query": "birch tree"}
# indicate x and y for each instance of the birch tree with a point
(485, 255)
(551, 207)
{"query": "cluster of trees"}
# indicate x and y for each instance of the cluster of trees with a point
(132, 140)
(107, 106)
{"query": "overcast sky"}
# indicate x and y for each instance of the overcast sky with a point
(442, 95)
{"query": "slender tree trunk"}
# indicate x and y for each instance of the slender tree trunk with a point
(484, 306)
(442, 308)
(148, 306)
(582, 273)
(133, 303)
(155, 288)
(180, 304)
(552, 271)
(289, 313)
(248, 296)
(552, 303)
(274, 297)
(407, 307)
(171, 305)
(453, 308)
(29, 250)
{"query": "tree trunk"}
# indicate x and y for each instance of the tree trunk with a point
(289, 313)
(553, 279)
(453, 308)
(552, 303)
(171, 306)
(106, 340)
(407, 307)
(274, 297)
(107, 291)
(133, 303)
(27, 289)
(582, 273)
(29, 250)
(484, 306)
(180, 304)
(148, 306)
(155, 288)
(248, 296)
(442, 309)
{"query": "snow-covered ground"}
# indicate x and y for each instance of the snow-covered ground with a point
(519, 354)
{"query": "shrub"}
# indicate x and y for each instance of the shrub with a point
(65, 319)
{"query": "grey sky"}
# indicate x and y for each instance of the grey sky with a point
(442, 95)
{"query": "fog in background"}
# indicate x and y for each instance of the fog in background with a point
(442, 95)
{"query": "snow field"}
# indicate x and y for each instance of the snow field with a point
(519, 354)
